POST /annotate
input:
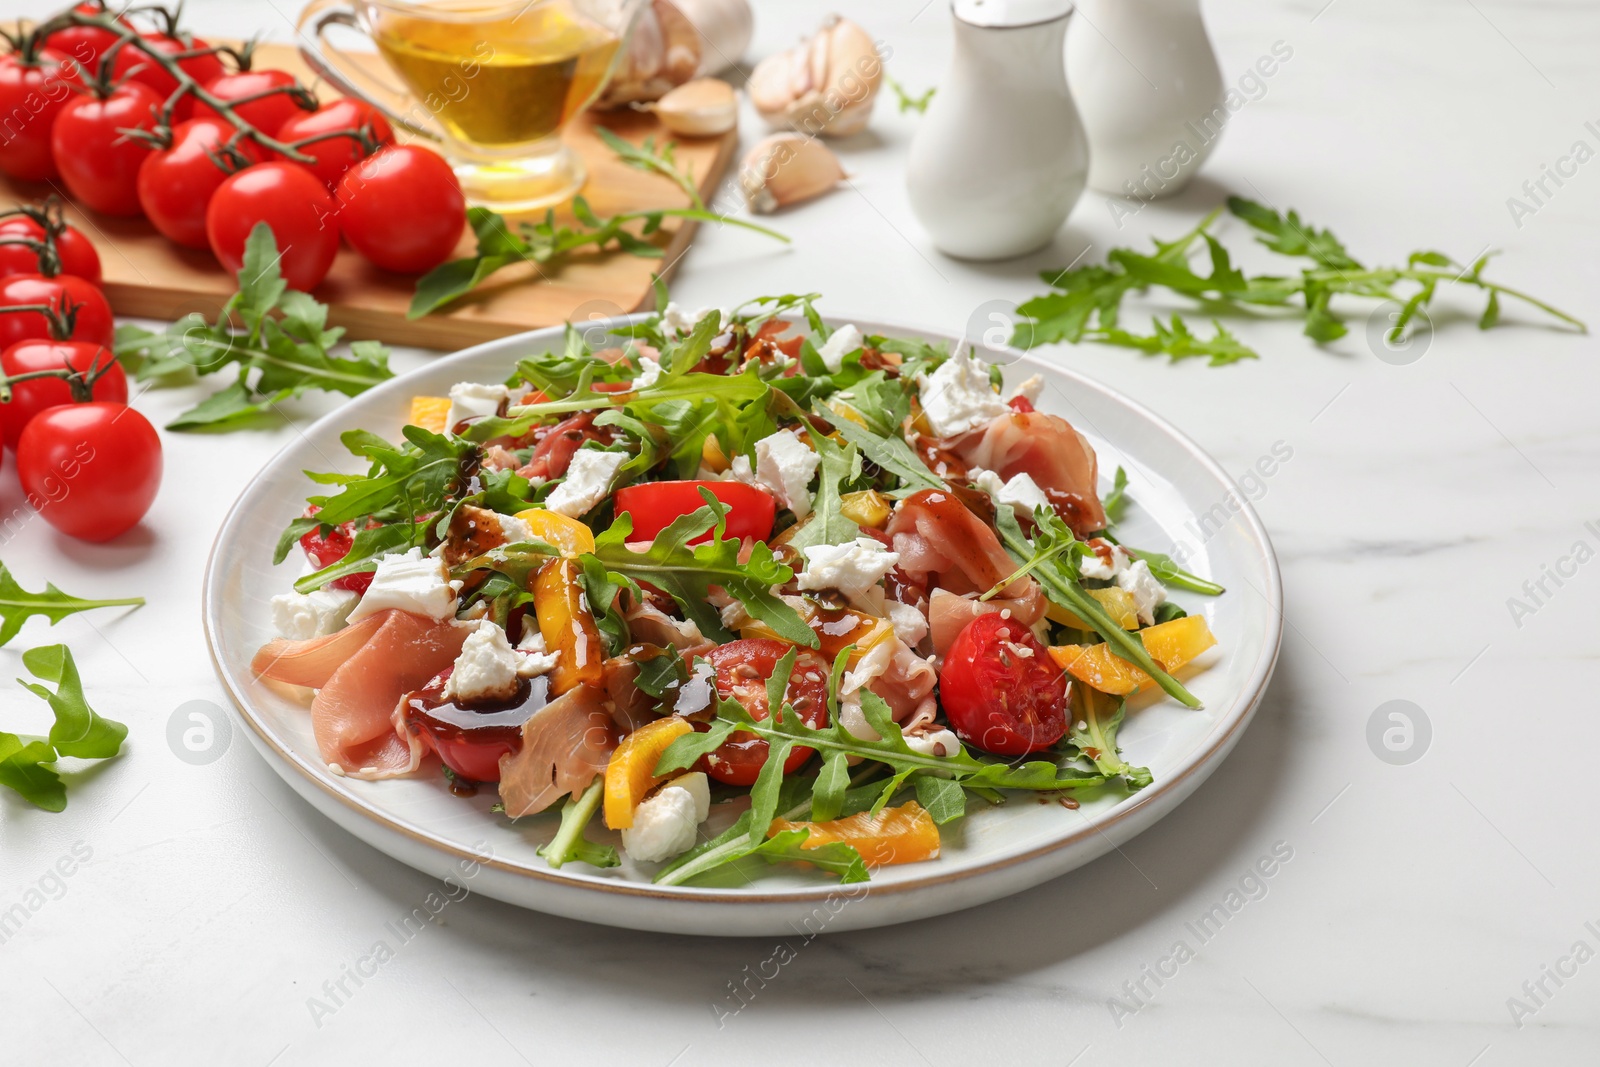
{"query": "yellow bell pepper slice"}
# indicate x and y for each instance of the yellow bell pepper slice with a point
(905, 834)
(572, 537)
(866, 508)
(430, 412)
(1171, 644)
(630, 774)
(1118, 603)
(567, 627)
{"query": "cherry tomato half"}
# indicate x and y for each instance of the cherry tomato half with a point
(133, 62)
(32, 94)
(100, 163)
(73, 249)
(402, 209)
(293, 203)
(90, 470)
(332, 156)
(326, 549)
(1001, 690)
(268, 114)
(91, 321)
(743, 668)
(176, 184)
(653, 505)
(31, 397)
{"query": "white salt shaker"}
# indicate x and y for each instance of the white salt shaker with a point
(1000, 157)
(1149, 91)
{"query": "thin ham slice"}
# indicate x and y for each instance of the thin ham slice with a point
(1049, 450)
(564, 745)
(360, 673)
(943, 545)
(949, 614)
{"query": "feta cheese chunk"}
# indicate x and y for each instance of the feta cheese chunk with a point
(472, 400)
(1021, 492)
(1094, 566)
(786, 466)
(302, 616)
(677, 321)
(843, 341)
(587, 483)
(664, 825)
(852, 568)
(910, 626)
(411, 582)
(1146, 589)
(649, 373)
(536, 660)
(957, 397)
(939, 742)
(487, 668)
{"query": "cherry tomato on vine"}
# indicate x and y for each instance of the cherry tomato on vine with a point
(75, 251)
(91, 315)
(743, 668)
(267, 114)
(335, 155)
(31, 397)
(90, 470)
(100, 163)
(402, 209)
(32, 92)
(287, 198)
(1001, 690)
(133, 62)
(176, 183)
(86, 44)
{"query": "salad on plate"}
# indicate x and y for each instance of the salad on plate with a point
(738, 585)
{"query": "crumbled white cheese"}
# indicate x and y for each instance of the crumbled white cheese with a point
(411, 582)
(587, 483)
(1021, 492)
(1146, 590)
(786, 466)
(472, 400)
(939, 742)
(843, 341)
(910, 625)
(957, 397)
(486, 669)
(676, 321)
(514, 530)
(649, 373)
(664, 825)
(536, 660)
(1028, 390)
(733, 615)
(852, 568)
(1092, 566)
(302, 616)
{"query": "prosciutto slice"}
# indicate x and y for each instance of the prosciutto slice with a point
(360, 673)
(1049, 450)
(949, 614)
(943, 545)
(564, 745)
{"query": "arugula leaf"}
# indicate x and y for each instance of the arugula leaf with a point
(23, 768)
(1116, 502)
(17, 605)
(890, 452)
(284, 351)
(1095, 717)
(569, 843)
(647, 157)
(603, 594)
(1178, 342)
(1289, 235)
(906, 101)
(78, 730)
(686, 573)
(827, 524)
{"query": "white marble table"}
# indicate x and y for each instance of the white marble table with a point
(1418, 899)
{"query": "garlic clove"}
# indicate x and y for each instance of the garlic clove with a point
(663, 52)
(704, 107)
(785, 169)
(725, 26)
(825, 85)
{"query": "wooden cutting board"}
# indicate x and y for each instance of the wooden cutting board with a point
(148, 276)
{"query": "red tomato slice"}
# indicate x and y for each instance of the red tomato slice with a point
(654, 505)
(1001, 690)
(743, 668)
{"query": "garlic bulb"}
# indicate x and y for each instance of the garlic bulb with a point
(725, 26)
(785, 169)
(825, 85)
(663, 52)
(701, 108)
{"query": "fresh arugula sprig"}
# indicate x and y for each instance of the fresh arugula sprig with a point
(1163, 566)
(1095, 718)
(1087, 300)
(646, 156)
(909, 102)
(17, 605)
(284, 350)
(27, 763)
(569, 844)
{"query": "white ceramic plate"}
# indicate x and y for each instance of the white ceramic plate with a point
(1181, 498)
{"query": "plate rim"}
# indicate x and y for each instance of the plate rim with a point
(1216, 744)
